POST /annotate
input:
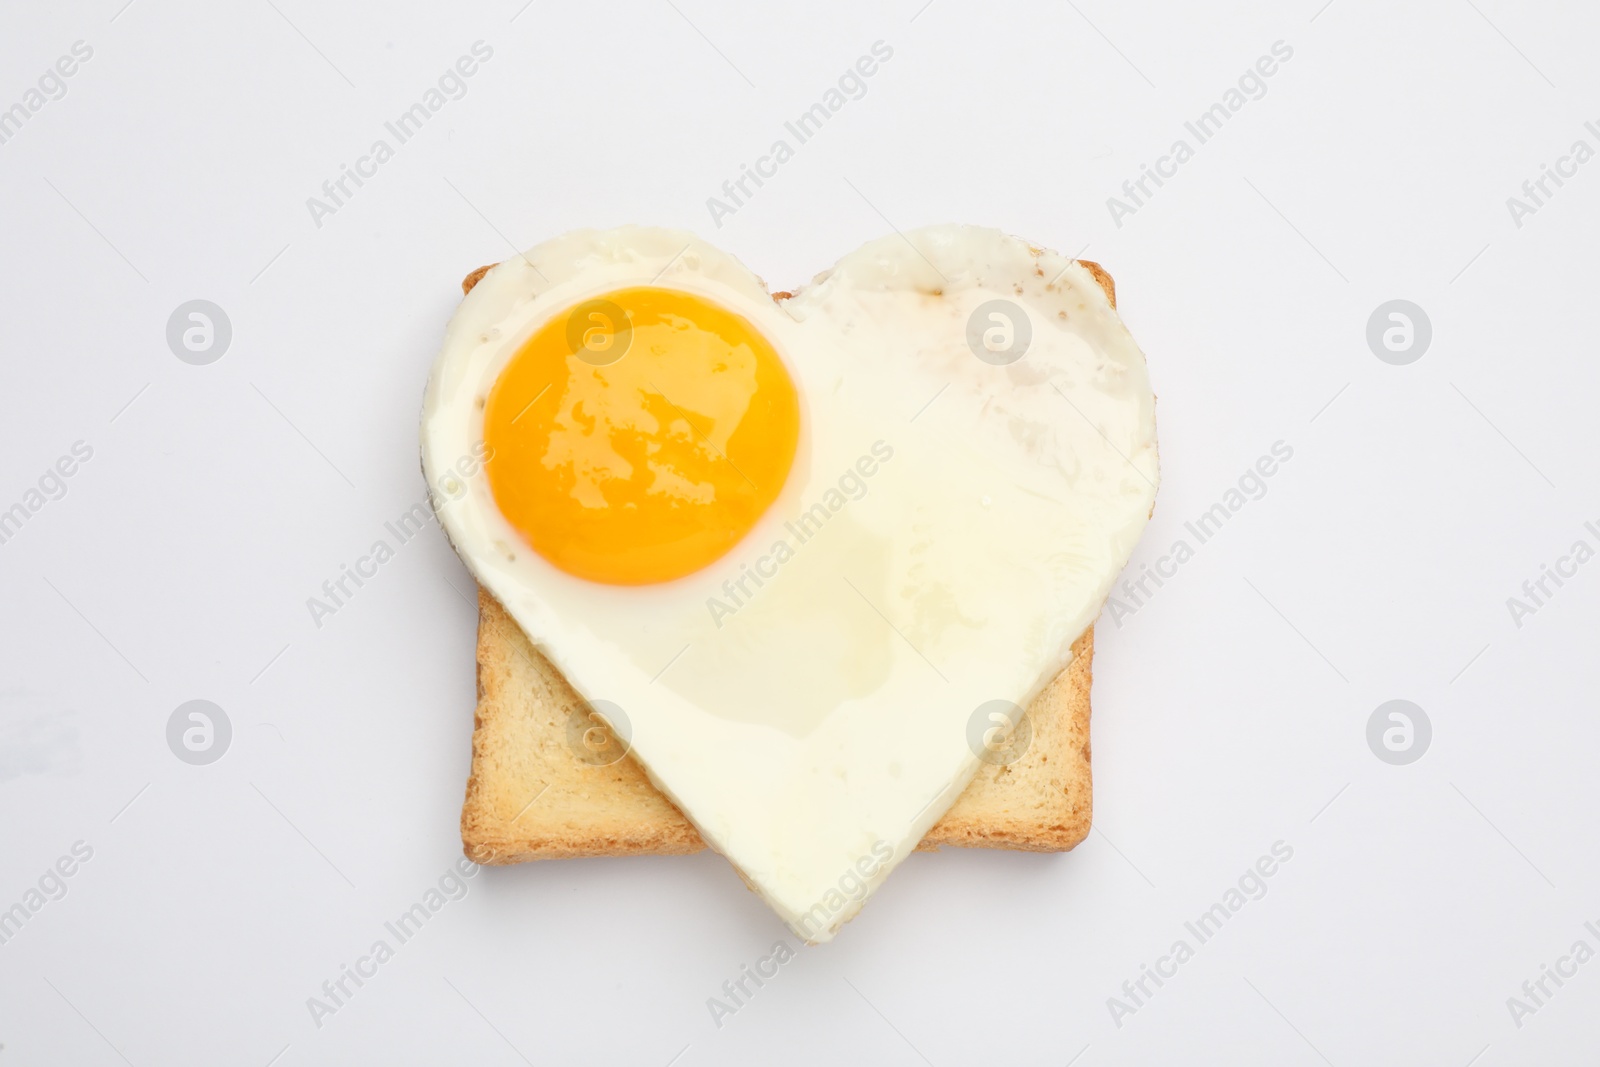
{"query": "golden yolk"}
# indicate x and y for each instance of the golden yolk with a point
(637, 437)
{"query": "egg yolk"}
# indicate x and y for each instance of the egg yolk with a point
(637, 437)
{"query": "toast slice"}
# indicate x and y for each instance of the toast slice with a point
(536, 792)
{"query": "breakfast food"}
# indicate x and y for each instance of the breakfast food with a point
(545, 785)
(798, 552)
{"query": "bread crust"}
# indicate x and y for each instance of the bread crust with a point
(530, 797)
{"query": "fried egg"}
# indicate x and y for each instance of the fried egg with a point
(798, 542)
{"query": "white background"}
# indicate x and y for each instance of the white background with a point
(1230, 711)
